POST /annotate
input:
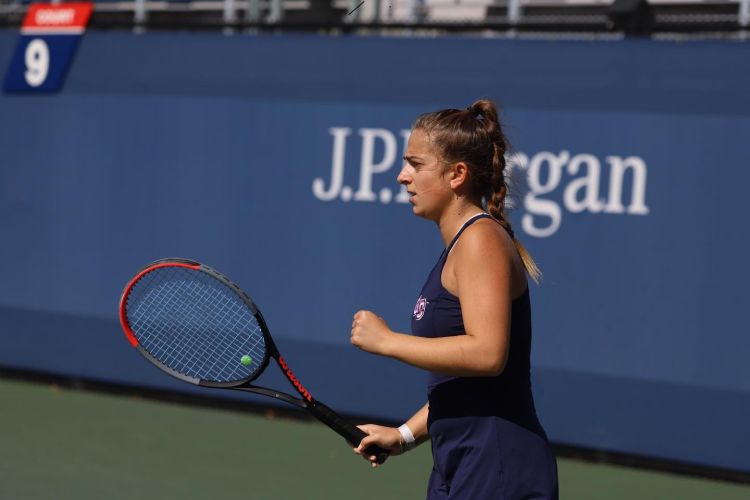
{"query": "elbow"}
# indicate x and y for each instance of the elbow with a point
(487, 359)
(493, 366)
(495, 369)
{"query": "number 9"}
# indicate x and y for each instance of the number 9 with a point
(37, 62)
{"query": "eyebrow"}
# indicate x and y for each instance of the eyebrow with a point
(410, 158)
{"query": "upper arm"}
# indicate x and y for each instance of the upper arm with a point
(482, 273)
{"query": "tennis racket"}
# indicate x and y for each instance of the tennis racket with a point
(195, 324)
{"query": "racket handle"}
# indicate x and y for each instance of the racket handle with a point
(345, 429)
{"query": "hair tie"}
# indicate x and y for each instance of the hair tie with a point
(474, 113)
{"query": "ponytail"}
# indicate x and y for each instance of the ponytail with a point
(495, 206)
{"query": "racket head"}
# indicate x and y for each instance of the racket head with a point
(195, 324)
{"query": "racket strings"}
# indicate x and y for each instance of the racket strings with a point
(202, 345)
(195, 324)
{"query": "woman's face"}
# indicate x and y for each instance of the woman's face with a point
(423, 174)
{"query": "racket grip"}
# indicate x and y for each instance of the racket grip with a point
(345, 429)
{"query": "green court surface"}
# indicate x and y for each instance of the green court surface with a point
(66, 444)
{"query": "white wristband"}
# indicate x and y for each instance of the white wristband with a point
(409, 441)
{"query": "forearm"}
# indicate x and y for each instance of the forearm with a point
(418, 425)
(460, 355)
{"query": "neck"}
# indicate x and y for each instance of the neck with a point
(454, 217)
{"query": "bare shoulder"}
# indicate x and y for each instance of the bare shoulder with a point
(485, 238)
(486, 248)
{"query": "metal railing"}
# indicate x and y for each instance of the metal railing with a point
(452, 15)
(406, 11)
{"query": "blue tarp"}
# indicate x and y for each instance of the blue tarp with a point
(273, 159)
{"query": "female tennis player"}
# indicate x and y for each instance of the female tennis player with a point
(471, 324)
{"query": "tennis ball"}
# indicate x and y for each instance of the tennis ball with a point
(246, 360)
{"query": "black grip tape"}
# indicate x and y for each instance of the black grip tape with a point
(345, 429)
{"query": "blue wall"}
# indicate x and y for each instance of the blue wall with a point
(631, 172)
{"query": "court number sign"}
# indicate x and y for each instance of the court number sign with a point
(49, 39)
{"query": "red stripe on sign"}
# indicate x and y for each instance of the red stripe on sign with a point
(50, 30)
(64, 17)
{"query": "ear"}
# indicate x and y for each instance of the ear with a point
(459, 175)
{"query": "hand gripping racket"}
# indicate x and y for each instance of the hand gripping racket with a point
(195, 324)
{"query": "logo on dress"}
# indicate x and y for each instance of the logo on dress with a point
(419, 308)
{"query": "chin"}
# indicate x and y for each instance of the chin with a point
(421, 214)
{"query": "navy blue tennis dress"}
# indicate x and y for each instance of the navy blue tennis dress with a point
(487, 442)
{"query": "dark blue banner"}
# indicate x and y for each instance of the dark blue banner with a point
(40, 62)
(45, 50)
(273, 159)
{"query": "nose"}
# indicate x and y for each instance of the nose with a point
(402, 178)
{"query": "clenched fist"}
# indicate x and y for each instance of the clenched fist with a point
(369, 332)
